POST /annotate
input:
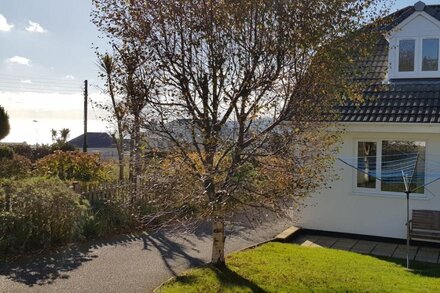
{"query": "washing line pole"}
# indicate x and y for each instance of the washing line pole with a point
(407, 192)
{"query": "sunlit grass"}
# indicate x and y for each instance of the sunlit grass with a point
(277, 267)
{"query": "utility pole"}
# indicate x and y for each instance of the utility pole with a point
(86, 94)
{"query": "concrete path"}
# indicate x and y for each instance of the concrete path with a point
(126, 264)
(418, 253)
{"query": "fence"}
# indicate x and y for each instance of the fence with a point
(109, 191)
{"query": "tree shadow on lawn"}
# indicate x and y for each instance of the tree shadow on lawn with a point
(227, 278)
(418, 268)
(45, 268)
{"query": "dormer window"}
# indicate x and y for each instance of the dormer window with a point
(419, 54)
(407, 52)
(414, 46)
(416, 57)
(430, 54)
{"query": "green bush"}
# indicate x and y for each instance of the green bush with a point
(109, 217)
(6, 152)
(34, 153)
(37, 213)
(22, 149)
(17, 167)
(73, 166)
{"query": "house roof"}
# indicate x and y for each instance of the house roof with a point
(402, 14)
(94, 140)
(398, 102)
(401, 101)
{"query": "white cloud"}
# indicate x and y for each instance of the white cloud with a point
(28, 81)
(4, 25)
(19, 60)
(34, 27)
(70, 77)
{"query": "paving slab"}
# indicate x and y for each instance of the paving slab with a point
(400, 252)
(325, 241)
(305, 240)
(364, 246)
(344, 243)
(384, 249)
(427, 254)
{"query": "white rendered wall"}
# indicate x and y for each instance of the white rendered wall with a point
(343, 209)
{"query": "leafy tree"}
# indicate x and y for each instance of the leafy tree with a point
(241, 90)
(59, 140)
(4, 123)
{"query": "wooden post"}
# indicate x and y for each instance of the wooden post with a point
(86, 95)
(76, 187)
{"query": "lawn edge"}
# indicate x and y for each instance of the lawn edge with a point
(207, 264)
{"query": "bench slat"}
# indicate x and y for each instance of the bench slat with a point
(425, 225)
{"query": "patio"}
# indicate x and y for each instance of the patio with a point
(384, 249)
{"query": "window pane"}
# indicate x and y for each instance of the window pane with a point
(406, 55)
(366, 175)
(430, 55)
(406, 156)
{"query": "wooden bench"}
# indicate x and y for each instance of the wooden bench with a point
(425, 225)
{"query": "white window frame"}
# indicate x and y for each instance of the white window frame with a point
(378, 189)
(417, 73)
(416, 52)
(421, 54)
(378, 160)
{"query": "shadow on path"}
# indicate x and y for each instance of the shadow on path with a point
(171, 251)
(45, 268)
(41, 269)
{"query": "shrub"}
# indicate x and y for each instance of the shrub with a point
(41, 151)
(22, 149)
(109, 217)
(73, 166)
(6, 152)
(17, 167)
(37, 213)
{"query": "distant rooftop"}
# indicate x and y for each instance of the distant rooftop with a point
(94, 140)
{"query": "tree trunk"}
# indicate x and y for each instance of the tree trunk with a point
(137, 157)
(121, 164)
(218, 242)
(121, 154)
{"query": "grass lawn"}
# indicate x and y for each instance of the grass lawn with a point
(278, 267)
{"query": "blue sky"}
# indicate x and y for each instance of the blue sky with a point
(45, 55)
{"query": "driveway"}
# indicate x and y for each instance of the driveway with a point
(127, 263)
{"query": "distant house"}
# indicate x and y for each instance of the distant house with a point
(97, 142)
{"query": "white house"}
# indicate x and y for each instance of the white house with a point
(403, 117)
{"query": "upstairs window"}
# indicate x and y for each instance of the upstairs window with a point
(418, 57)
(407, 52)
(430, 55)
